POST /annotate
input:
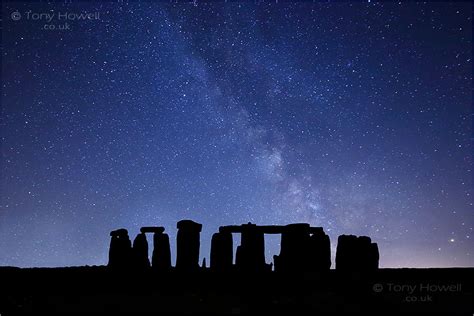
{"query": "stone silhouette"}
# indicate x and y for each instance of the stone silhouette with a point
(250, 255)
(356, 254)
(294, 249)
(161, 259)
(123, 255)
(304, 249)
(152, 229)
(320, 251)
(140, 252)
(221, 251)
(188, 243)
(120, 250)
(373, 257)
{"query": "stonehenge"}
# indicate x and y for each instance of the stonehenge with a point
(303, 249)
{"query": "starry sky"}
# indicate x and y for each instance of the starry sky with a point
(356, 117)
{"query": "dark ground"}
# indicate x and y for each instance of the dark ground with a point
(92, 290)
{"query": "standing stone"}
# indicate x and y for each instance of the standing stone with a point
(294, 250)
(161, 259)
(356, 254)
(320, 252)
(346, 252)
(251, 253)
(374, 257)
(363, 253)
(221, 251)
(304, 249)
(140, 252)
(188, 243)
(120, 249)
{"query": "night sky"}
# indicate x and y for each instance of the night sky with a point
(354, 117)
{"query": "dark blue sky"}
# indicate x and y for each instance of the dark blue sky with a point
(354, 117)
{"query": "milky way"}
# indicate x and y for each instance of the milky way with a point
(354, 117)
